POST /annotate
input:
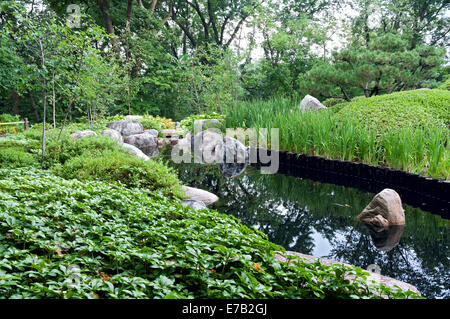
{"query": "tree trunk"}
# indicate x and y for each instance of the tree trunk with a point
(104, 8)
(16, 99)
(44, 97)
(53, 101)
(33, 105)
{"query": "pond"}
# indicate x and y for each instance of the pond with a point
(320, 219)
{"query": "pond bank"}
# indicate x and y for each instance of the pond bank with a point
(423, 192)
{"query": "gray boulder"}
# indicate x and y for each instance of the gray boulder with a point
(135, 151)
(153, 132)
(113, 134)
(311, 103)
(201, 195)
(193, 203)
(126, 128)
(384, 210)
(235, 157)
(207, 147)
(81, 134)
(145, 142)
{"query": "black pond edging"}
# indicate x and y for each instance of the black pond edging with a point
(429, 194)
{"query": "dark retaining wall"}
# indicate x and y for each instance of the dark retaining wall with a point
(429, 194)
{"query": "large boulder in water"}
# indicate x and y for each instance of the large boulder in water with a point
(135, 151)
(126, 128)
(207, 147)
(235, 157)
(384, 210)
(81, 134)
(113, 134)
(311, 103)
(145, 142)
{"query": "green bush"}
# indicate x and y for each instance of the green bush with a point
(332, 102)
(446, 85)
(110, 165)
(417, 108)
(69, 148)
(127, 244)
(16, 157)
(152, 123)
(187, 125)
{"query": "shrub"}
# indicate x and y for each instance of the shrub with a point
(110, 165)
(332, 102)
(69, 148)
(153, 123)
(187, 125)
(418, 108)
(446, 85)
(16, 157)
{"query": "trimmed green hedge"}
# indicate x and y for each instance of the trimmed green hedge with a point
(416, 109)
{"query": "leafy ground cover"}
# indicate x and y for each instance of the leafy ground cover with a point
(406, 130)
(70, 239)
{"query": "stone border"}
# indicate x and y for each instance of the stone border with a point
(372, 279)
(427, 193)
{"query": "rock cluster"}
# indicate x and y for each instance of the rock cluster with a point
(131, 135)
(210, 147)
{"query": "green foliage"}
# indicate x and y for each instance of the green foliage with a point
(69, 148)
(385, 65)
(417, 108)
(130, 243)
(150, 122)
(332, 102)
(15, 157)
(187, 125)
(11, 129)
(112, 166)
(446, 85)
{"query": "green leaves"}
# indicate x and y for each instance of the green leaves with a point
(124, 247)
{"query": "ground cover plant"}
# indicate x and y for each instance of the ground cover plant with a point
(406, 130)
(134, 243)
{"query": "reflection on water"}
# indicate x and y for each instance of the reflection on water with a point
(385, 238)
(321, 220)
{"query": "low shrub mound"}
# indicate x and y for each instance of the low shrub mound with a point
(112, 166)
(409, 109)
(446, 85)
(70, 239)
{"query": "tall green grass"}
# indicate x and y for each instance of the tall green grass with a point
(423, 150)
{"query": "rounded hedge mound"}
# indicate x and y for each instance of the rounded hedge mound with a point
(416, 109)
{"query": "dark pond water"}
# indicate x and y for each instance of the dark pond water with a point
(320, 220)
